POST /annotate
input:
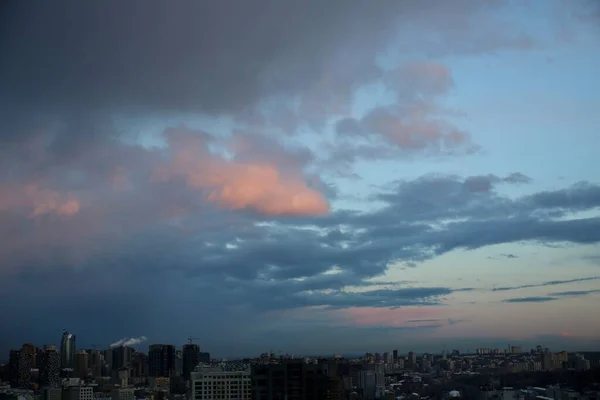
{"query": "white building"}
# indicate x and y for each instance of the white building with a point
(223, 382)
(123, 394)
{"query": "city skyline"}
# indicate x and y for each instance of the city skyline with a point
(312, 178)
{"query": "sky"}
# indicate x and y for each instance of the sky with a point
(301, 177)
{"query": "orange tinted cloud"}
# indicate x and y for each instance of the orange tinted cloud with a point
(260, 186)
(38, 201)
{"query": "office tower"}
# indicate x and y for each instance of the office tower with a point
(227, 382)
(67, 350)
(191, 358)
(412, 359)
(49, 361)
(81, 364)
(395, 355)
(161, 359)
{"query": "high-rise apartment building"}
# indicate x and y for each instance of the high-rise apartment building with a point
(30, 349)
(121, 357)
(81, 364)
(49, 361)
(191, 358)
(225, 382)
(13, 367)
(161, 360)
(24, 370)
(67, 350)
(291, 380)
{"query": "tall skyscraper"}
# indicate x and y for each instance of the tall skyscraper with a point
(24, 372)
(67, 350)
(49, 363)
(161, 360)
(191, 358)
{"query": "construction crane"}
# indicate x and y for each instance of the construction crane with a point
(191, 339)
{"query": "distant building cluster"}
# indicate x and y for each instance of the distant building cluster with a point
(123, 373)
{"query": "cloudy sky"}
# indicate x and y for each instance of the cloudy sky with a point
(305, 177)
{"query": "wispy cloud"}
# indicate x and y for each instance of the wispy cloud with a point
(575, 293)
(530, 299)
(548, 283)
(503, 256)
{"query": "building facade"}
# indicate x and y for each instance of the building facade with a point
(67, 350)
(161, 360)
(224, 382)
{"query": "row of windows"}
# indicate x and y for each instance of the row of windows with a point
(229, 376)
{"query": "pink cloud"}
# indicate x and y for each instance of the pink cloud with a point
(257, 185)
(38, 201)
(420, 78)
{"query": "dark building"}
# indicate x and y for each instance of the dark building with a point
(292, 380)
(191, 358)
(204, 357)
(107, 366)
(395, 355)
(49, 362)
(13, 367)
(139, 364)
(121, 357)
(31, 350)
(161, 360)
(67, 350)
(24, 370)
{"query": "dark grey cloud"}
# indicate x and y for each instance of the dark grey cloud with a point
(575, 293)
(548, 283)
(69, 58)
(529, 299)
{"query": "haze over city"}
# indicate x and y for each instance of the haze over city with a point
(304, 177)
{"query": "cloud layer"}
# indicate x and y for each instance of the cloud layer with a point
(192, 163)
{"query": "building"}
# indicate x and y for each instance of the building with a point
(81, 364)
(291, 380)
(191, 358)
(24, 370)
(224, 382)
(49, 361)
(161, 360)
(123, 394)
(30, 349)
(79, 392)
(95, 362)
(204, 357)
(67, 350)
(122, 357)
(52, 393)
